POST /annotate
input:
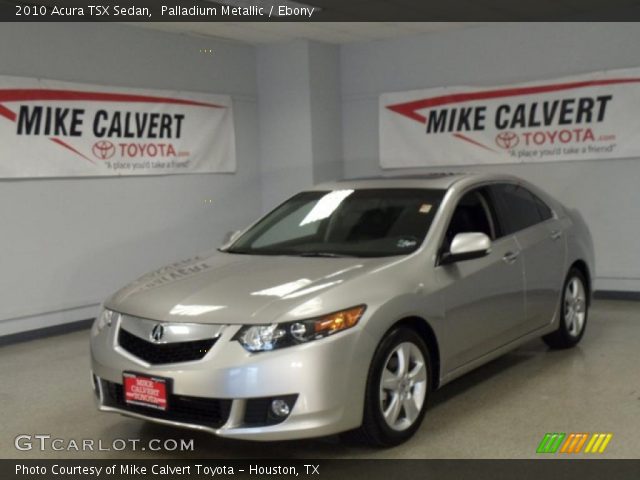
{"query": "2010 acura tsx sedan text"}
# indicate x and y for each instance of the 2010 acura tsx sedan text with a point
(343, 308)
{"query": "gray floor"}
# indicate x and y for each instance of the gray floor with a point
(501, 410)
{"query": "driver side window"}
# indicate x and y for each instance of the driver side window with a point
(472, 214)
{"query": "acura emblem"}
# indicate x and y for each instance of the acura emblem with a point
(157, 332)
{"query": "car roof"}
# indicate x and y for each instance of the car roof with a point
(434, 180)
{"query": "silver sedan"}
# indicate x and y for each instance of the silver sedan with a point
(345, 307)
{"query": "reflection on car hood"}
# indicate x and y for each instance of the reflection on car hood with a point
(239, 289)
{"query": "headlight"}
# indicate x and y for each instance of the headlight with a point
(260, 338)
(105, 319)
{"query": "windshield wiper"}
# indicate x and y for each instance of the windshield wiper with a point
(303, 254)
(237, 251)
(323, 254)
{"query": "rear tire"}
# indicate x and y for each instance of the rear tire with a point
(574, 309)
(398, 385)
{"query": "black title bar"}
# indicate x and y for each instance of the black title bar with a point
(312, 469)
(313, 11)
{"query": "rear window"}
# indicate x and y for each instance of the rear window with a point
(520, 207)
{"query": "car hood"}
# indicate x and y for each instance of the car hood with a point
(241, 289)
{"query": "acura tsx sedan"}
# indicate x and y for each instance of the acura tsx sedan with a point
(345, 307)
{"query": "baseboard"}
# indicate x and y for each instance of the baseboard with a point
(616, 295)
(10, 326)
(616, 284)
(45, 332)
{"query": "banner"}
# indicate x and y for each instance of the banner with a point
(585, 117)
(61, 129)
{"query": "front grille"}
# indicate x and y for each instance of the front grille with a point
(159, 353)
(208, 412)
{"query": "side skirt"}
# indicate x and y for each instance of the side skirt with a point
(473, 364)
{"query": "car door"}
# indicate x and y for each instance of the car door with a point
(539, 236)
(483, 297)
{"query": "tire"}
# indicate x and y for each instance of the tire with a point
(574, 309)
(405, 399)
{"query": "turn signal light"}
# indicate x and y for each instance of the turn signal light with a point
(339, 320)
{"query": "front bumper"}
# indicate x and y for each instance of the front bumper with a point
(324, 378)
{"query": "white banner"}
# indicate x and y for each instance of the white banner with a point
(61, 129)
(593, 116)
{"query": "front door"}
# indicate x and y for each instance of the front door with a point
(483, 297)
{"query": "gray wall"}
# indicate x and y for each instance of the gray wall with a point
(606, 192)
(286, 155)
(326, 111)
(300, 109)
(67, 243)
(299, 112)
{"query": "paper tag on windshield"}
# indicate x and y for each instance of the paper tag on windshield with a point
(425, 208)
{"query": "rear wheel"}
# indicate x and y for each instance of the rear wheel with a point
(397, 388)
(573, 313)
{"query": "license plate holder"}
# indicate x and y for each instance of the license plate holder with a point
(147, 391)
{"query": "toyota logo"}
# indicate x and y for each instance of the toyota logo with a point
(507, 140)
(103, 149)
(157, 332)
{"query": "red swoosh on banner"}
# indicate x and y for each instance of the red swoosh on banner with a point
(69, 147)
(11, 115)
(409, 109)
(472, 141)
(5, 112)
(32, 94)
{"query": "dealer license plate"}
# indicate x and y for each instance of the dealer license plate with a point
(145, 390)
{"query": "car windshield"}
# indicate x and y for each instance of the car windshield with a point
(337, 223)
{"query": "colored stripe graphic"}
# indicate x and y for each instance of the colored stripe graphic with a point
(543, 444)
(550, 442)
(581, 443)
(542, 448)
(568, 445)
(573, 443)
(598, 442)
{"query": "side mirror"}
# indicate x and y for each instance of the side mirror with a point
(466, 246)
(229, 238)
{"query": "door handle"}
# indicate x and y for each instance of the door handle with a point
(556, 234)
(510, 257)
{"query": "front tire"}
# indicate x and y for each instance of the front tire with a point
(398, 385)
(574, 310)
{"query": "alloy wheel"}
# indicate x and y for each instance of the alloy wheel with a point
(403, 386)
(574, 306)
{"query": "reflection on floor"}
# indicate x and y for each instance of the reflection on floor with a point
(501, 410)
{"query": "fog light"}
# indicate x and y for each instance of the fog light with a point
(280, 408)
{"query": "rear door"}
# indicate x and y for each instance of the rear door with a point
(539, 236)
(484, 297)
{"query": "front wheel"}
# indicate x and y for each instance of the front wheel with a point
(397, 388)
(573, 312)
